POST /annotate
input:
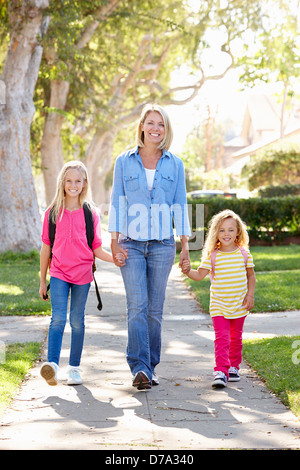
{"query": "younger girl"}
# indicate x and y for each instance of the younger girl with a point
(71, 267)
(227, 258)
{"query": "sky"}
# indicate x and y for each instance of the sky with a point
(223, 95)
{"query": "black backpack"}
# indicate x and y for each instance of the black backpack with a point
(89, 226)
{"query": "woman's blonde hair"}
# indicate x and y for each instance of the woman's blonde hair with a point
(58, 203)
(212, 238)
(165, 144)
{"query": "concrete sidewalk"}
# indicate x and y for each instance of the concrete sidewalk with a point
(182, 413)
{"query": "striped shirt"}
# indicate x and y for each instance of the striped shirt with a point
(229, 286)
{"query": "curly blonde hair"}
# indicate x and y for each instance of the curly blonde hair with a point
(212, 241)
(58, 202)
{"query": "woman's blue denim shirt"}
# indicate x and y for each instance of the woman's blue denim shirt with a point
(141, 214)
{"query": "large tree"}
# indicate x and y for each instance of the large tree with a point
(20, 222)
(136, 49)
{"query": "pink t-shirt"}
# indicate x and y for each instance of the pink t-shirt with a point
(72, 258)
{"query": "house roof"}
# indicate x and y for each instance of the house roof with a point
(250, 149)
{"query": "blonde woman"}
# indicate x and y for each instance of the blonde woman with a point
(70, 268)
(148, 194)
(227, 258)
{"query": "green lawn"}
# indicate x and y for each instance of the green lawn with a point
(277, 270)
(277, 361)
(19, 358)
(19, 285)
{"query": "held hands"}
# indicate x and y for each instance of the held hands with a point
(119, 255)
(185, 266)
(119, 259)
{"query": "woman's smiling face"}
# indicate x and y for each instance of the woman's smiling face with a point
(153, 128)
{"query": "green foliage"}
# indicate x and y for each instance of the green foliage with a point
(277, 164)
(281, 190)
(269, 219)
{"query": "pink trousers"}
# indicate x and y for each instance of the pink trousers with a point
(228, 342)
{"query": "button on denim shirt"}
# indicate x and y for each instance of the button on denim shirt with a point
(144, 215)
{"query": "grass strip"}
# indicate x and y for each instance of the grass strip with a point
(18, 359)
(277, 361)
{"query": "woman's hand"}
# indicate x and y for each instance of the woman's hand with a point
(119, 255)
(186, 266)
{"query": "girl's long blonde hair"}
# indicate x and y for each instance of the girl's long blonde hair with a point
(212, 238)
(58, 203)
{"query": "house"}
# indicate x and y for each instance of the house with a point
(261, 127)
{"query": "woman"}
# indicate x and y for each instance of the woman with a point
(148, 194)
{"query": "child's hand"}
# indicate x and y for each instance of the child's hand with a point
(120, 257)
(248, 302)
(186, 266)
(43, 291)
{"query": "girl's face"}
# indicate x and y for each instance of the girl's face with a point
(73, 183)
(154, 128)
(227, 234)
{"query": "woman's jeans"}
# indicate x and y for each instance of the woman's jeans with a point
(59, 291)
(228, 342)
(145, 277)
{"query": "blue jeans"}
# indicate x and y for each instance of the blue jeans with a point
(145, 278)
(59, 291)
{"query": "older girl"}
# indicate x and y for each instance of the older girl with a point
(227, 258)
(71, 267)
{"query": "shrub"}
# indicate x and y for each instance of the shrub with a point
(265, 218)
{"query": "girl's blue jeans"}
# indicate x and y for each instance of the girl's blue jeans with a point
(59, 291)
(145, 277)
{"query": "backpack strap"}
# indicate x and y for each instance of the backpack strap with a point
(52, 229)
(213, 260)
(245, 255)
(89, 223)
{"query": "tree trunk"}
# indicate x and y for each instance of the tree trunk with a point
(99, 162)
(51, 146)
(20, 221)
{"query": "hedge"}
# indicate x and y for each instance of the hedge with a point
(266, 218)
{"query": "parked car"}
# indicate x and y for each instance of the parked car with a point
(210, 193)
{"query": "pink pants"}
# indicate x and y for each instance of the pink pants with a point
(228, 342)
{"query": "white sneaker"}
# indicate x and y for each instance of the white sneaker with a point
(74, 376)
(155, 379)
(49, 372)
(220, 380)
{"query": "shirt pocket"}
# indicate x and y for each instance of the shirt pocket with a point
(167, 182)
(132, 182)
